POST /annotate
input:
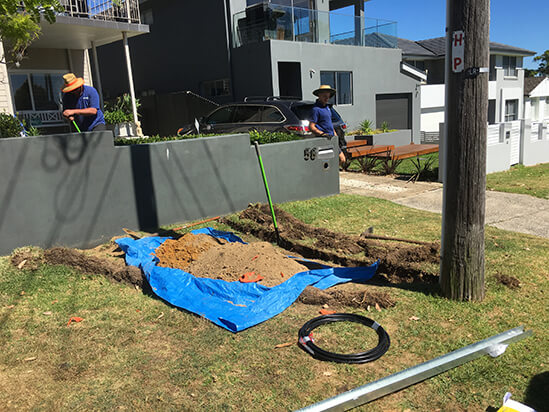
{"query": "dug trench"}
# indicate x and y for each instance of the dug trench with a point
(205, 256)
(398, 263)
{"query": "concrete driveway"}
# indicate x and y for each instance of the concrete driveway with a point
(509, 211)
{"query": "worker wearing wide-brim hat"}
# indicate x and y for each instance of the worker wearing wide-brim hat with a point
(321, 115)
(81, 103)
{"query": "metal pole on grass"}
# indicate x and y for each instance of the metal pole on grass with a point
(256, 144)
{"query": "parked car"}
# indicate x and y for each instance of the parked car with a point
(270, 114)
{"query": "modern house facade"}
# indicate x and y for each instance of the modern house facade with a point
(513, 135)
(274, 48)
(32, 89)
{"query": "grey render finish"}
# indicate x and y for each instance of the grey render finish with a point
(190, 42)
(80, 190)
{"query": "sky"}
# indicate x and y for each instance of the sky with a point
(517, 23)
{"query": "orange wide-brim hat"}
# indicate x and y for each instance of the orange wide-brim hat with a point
(71, 82)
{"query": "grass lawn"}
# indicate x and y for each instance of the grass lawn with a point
(533, 180)
(132, 351)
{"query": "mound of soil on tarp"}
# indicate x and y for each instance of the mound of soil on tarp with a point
(203, 256)
(398, 262)
(179, 253)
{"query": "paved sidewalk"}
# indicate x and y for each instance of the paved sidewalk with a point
(509, 211)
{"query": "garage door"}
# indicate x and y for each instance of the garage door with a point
(395, 109)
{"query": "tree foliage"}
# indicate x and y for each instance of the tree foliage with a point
(543, 59)
(20, 23)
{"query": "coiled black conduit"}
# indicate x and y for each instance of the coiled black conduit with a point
(306, 341)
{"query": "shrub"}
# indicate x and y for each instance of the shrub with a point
(10, 126)
(366, 126)
(385, 127)
(120, 111)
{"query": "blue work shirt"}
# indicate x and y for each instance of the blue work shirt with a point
(322, 116)
(88, 98)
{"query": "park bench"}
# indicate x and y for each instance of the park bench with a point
(415, 152)
(363, 152)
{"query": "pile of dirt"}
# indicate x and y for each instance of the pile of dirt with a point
(398, 262)
(28, 258)
(113, 268)
(203, 256)
(510, 281)
(179, 253)
(341, 297)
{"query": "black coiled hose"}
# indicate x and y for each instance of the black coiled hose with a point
(306, 340)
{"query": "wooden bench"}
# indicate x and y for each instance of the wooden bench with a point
(363, 152)
(410, 151)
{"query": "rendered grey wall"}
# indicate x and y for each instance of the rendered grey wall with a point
(375, 71)
(398, 138)
(79, 190)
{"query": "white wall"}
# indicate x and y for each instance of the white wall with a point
(5, 93)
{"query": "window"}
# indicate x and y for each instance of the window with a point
(247, 114)
(215, 88)
(272, 115)
(36, 91)
(342, 82)
(511, 110)
(509, 66)
(221, 115)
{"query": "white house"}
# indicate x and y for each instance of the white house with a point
(536, 98)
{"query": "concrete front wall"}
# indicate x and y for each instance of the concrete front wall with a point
(398, 138)
(186, 46)
(79, 190)
(534, 151)
(375, 71)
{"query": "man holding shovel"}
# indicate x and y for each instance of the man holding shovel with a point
(321, 116)
(81, 105)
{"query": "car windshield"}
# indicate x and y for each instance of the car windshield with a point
(303, 112)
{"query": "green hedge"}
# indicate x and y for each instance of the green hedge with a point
(262, 137)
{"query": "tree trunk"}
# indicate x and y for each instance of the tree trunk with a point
(462, 266)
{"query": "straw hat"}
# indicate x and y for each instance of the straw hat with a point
(325, 88)
(71, 82)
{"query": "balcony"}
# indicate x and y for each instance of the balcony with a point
(269, 21)
(126, 11)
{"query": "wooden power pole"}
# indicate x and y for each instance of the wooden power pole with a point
(467, 60)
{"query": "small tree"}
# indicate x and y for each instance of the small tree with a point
(543, 59)
(20, 24)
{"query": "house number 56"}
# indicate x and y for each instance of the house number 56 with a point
(309, 154)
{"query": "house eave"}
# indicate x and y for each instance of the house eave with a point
(79, 33)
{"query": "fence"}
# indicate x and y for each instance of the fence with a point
(124, 10)
(80, 190)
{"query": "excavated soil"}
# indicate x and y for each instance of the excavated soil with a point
(179, 253)
(510, 281)
(343, 297)
(204, 257)
(398, 262)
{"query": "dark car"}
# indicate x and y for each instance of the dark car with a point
(270, 114)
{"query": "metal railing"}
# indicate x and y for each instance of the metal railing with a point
(42, 118)
(126, 11)
(270, 21)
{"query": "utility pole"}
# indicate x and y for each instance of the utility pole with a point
(467, 60)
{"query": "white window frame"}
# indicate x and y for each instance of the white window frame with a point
(28, 72)
(335, 73)
(507, 114)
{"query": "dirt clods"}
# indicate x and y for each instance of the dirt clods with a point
(398, 262)
(510, 281)
(28, 258)
(335, 298)
(203, 256)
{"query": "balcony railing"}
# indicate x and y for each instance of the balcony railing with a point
(126, 11)
(269, 21)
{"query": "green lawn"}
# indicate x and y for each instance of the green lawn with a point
(533, 180)
(134, 352)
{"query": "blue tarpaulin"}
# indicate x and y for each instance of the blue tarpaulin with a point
(233, 305)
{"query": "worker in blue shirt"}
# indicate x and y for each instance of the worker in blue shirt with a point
(321, 116)
(81, 103)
